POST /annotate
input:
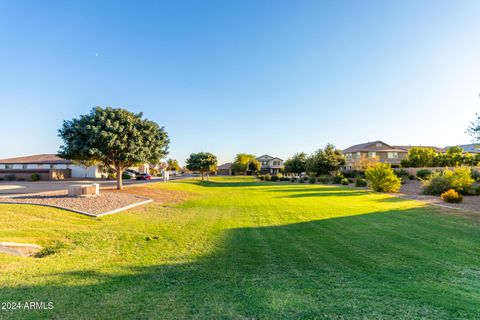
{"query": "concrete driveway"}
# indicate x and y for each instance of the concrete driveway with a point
(12, 188)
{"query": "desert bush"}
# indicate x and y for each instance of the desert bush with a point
(325, 179)
(344, 181)
(452, 196)
(360, 182)
(268, 177)
(458, 179)
(337, 177)
(424, 174)
(382, 178)
(35, 177)
(312, 179)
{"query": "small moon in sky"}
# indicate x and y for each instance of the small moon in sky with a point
(96, 54)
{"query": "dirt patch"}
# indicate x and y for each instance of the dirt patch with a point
(156, 194)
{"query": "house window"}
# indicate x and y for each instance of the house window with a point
(8, 166)
(276, 163)
(24, 166)
(359, 155)
(372, 154)
(264, 163)
(378, 144)
(393, 155)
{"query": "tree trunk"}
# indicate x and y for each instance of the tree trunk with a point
(118, 169)
(203, 176)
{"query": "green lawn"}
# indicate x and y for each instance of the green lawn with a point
(244, 249)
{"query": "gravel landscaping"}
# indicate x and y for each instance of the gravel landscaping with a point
(106, 202)
(413, 190)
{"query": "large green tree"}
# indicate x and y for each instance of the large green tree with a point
(245, 162)
(173, 165)
(115, 137)
(325, 161)
(296, 164)
(418, 157)
(204, 162)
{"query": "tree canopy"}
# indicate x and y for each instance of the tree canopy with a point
(173, 165)
(296, 164)
(204, 162)
(115, 137)
(325, 161)
(245, 162)
(418, 157)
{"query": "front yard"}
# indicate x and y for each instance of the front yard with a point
(239, 248)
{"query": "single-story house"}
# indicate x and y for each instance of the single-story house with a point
(269, 164)
(225, 169)
(47, 166)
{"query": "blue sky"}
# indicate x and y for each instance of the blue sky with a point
(272, 77)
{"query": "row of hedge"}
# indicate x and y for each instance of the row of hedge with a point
(12, 177)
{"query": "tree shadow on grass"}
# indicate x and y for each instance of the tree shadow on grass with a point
(379, 265)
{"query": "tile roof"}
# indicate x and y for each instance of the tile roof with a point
(36, 159)
(227, 165)
(371, 146)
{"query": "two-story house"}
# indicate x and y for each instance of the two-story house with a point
(271, 165)
(376, 150)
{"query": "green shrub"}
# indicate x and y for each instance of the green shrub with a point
(312, 179)
(294, 179)
(476, 175)
(401, 173)
(10, 177)
(268, 177)
(301, 180)
(261, 177)
(360, 182)
(276, 177)
(285, 178)
(452, 196)
(424, 174)
(411, 177)
(325, 179)
(35, 177)
(344, 181)
(382, 178)
(458, 179)
(353, 174)
(337, 177)
(126, 176)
